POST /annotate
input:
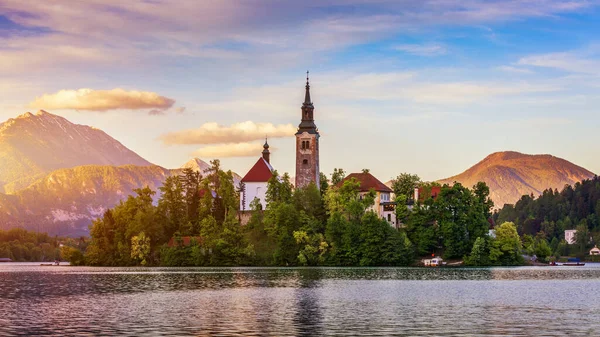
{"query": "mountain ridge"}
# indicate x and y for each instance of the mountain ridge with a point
(32, 145)
(512, 174)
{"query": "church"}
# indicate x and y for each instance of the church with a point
(254, 183)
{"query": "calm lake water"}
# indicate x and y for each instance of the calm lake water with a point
(67, 301)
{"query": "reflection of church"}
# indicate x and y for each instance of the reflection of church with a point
(254, 183)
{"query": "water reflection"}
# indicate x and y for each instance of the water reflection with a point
(299, 301)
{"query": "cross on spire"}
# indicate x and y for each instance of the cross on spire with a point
(307, 94)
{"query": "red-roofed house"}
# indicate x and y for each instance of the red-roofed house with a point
(254, 184)
(384, 206)
(421, 193)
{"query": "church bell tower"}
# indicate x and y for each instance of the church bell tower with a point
(307, 145)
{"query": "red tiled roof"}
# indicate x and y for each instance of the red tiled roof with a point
(435, 190)
(260, 172)
(367, 182)
(185, 241)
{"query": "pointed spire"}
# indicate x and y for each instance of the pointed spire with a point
(307, 95)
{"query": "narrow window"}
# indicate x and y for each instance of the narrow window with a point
(389, 218)
(307, 144)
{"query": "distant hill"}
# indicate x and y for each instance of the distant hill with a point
(511, 175)
(66, 201)
(32, 146)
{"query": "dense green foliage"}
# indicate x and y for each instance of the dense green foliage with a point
(21, 245)
(542, 221)
(316, 225)
(195, 223)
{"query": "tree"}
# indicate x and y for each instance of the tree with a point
(506, 248)
(480, 253)
(582, 237)
(337, 176)
(172, 206)
(313, 248)
(401, 209)
(191, 181)
(324, 183)
(405, 184)
(140, 248)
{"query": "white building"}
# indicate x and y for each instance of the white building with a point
(254, 183)
(570, 236)
(384, 206)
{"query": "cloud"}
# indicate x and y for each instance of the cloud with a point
(103, 100)
(50, 37)
(422, 49)
(511, 69)
(213, 133)
(576, 62)
(230, 150)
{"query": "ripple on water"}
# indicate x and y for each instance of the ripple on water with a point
(299, 301)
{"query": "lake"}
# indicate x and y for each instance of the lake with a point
(85, 301)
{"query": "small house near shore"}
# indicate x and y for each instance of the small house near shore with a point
(595, 251)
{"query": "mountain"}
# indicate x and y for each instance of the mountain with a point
(197, 165)
(32, 146)
(201, 166)
(66, 201)
(511, 175)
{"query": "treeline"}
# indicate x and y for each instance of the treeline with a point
(542, 221)
(195, 223)
(306, 226)
(21, 245)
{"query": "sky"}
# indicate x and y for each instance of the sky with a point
(428, 87)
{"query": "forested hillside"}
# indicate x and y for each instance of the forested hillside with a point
(549, 215)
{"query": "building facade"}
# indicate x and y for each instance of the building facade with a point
(384, 206)
(254, 183)
(307, 145)
(570, 236)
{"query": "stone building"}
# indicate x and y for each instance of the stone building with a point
(307, 145)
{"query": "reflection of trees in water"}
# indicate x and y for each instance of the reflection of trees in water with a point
(308, 316)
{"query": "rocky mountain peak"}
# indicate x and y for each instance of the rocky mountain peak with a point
(511, 175)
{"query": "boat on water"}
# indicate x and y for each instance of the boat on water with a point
(56, 263)
(573, 262)
(5, 259)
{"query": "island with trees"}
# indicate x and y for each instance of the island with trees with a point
(195, 222)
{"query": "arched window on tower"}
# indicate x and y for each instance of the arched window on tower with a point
(305, 162)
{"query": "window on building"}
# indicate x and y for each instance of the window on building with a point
(305, 162)
(389, 217)
(307, 144)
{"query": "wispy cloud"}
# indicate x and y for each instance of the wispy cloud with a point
(213, 133)
(230, 150)
(518, 70)
(103, 100)
(140, 31)
(422, 49)
(583, 61)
